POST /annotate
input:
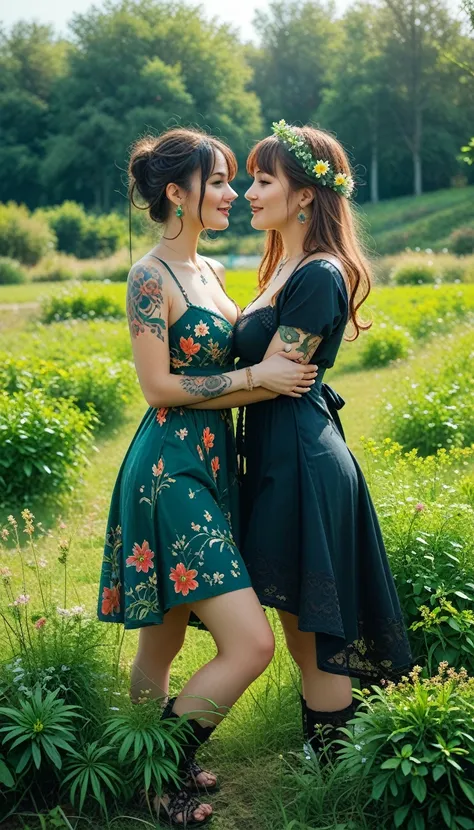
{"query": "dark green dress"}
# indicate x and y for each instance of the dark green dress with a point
(171, 534)
(310, 536)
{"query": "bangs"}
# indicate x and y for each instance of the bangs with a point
(229, 156)
(264, 156)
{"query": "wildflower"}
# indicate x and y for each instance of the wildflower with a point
(321, 168)
(114, 708)
(42, 563)
(5, 573)
(38, 726)
(420, 507)
(23, 599)
(63, 612)
(77, 610)
(5, 533)
(39, 624)
(11, 519)
(63, 547)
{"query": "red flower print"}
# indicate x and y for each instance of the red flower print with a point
(142, 557)
(151, 288)
(215, 465)
(200, 452)
(184, 581)
(110, 600)
(161, 415)
(188, 346)
(208, 439)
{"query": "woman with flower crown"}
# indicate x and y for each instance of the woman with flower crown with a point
(310, 536)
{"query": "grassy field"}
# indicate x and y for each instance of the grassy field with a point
(260, 788)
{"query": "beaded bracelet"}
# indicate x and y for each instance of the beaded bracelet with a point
(250, 383)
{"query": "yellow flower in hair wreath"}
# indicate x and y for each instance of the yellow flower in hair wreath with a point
(340, 179)
(321, 168)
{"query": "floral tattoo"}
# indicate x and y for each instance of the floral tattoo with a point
(145, 301)
(207, 387)
(307, 346)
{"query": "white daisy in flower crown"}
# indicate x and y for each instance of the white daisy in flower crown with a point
(319, 169)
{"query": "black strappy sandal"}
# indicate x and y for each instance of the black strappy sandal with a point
(192, 769)
(182, 802)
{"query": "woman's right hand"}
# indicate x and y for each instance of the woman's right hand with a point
(285, 376)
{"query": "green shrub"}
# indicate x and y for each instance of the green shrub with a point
(90, 274)
(22, 236)
(461, 241)
(96, 382)
(454, 272)
(80, 302)
(85, 235)
(55, 268)
(413, 273)
(433, 408)
(43, 445)
(414, 742)
(11, 272)
(118, 274)
(426, 508)
(383, 344)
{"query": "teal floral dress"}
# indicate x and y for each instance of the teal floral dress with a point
(171, 534)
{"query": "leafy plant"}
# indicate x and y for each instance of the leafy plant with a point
(89, 775)
(461, 240)
(81, 301)
(414, 273)
(414, 742)
(385, 343)
(11, 272)
(145, 743)
(44, 724)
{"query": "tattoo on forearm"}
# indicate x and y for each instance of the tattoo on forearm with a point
(145, 301)
(207, 387)
(308, 346)
(288, 334)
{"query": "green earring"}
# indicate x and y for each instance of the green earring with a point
(302, 218)
(179, 211)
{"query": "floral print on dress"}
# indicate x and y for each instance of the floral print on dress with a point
(170, 537)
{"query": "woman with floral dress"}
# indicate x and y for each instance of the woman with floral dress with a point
(310, 536)
(171, 550)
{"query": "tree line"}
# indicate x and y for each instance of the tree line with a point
(390, 78)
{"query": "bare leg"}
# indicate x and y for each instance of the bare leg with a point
(158, 645)
(245, 646)
(322, 691)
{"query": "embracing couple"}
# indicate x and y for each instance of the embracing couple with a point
(305, 539)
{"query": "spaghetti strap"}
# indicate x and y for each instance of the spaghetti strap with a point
(183, 292)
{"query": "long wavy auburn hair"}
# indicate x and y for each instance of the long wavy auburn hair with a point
(333, 226)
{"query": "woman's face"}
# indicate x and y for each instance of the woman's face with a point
(272, 203)
(218, 197)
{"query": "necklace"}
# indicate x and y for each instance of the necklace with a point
(282, 264)
(203, 279)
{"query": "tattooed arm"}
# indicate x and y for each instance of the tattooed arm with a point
(148, 303)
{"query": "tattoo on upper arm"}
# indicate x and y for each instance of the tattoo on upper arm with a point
(307, 343)
(207, 387)
(289, 334)
(145, 300)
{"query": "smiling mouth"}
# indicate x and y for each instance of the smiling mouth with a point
(224, 210)
(256, 209)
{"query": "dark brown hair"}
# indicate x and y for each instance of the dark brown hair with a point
(156, 161)
(332, 227)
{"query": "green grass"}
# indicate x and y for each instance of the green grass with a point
(418, 221)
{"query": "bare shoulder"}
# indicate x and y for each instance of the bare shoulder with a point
(216, 266)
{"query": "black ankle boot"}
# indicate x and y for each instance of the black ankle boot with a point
(323, 729)
(196, 735)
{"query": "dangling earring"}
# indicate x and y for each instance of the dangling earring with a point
(302, 218)
(179, 211)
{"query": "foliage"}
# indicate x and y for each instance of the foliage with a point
(54, 268)
(11, 272)
(22, 236)
(383, 344)
(85, 235)
(81, 302)
(43, 445)
(413, 273)
(38, 729)
(97, 383)
(414, 743)
(461, 240)
(426, 509)
(90, 774)
(433, 408)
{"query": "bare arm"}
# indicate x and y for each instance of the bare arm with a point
(303, 347)
(147, 311)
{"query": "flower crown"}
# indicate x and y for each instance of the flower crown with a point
(321, 170)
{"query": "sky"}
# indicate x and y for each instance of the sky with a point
(237, 12)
